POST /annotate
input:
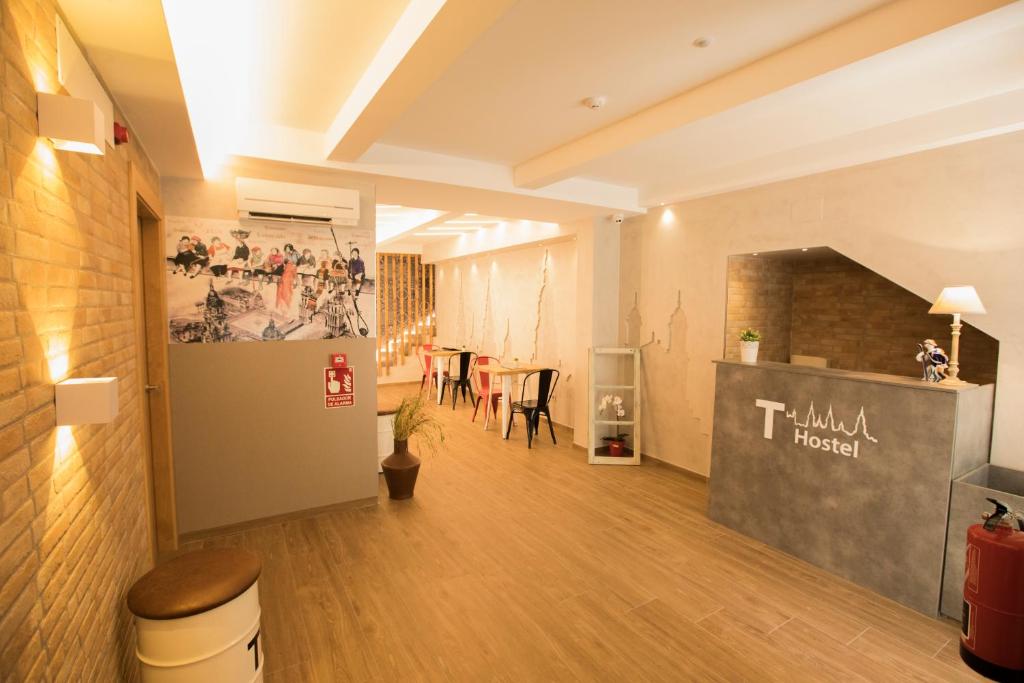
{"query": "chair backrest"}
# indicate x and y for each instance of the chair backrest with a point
(546, 380)
(465, 361)
(482, 380)
(425, 361)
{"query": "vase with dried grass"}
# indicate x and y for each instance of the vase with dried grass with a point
(402, 467)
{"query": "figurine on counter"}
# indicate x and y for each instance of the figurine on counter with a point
(934, 361)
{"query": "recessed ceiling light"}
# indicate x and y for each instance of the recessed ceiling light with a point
(703, 41)
(804, 249)
(754, 254)
(595, 102)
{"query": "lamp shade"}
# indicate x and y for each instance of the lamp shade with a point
(961, 299)
(73, 124)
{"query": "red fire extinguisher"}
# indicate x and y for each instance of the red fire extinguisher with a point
(992, 632)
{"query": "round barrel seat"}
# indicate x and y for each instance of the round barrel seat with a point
(194, 583)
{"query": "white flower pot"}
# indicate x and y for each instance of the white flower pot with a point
(748, 351)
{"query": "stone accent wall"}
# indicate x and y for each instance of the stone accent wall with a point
(860, 320)
(73, 518)
(831, 306)
(760, 297)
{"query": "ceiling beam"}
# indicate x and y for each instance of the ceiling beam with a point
(868, 34)
(428, 38)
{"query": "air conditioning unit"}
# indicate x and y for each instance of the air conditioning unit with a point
(271, 201)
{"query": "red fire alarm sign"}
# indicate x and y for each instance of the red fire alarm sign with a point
(339, 387)
(339, 360)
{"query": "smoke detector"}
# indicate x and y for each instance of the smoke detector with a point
(595, 102)
(703, 41)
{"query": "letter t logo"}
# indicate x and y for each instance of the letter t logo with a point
(770, 408)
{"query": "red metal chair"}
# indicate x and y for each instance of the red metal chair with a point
(426, 363)
(484, 385)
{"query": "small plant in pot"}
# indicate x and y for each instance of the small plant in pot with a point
(402, 467)
(611, 406)
(749, 341)
(616, 443)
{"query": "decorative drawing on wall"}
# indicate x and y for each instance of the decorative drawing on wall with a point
(261, 282)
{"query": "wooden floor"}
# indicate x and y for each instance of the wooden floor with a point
(529, 565)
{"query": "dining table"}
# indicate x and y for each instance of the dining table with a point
(437, 356)
(506, 373)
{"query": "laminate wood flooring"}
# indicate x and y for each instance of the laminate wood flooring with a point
(529, 565)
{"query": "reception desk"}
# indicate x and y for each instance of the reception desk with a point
(850, 471)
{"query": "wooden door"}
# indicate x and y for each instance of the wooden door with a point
(151, 325)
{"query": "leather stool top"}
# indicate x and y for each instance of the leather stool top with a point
(193, 583)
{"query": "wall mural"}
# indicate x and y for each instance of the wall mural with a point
(264, 282)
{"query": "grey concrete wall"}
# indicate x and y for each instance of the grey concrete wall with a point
(252, 438)
(877, 518)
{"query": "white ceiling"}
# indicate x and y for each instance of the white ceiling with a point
(308, 56)
(944, 87)
(408, 229)
(127, 42)
(517, 92)
(274, 74)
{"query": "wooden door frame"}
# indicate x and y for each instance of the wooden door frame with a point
(147, 241)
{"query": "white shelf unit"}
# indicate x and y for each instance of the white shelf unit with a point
(623, 360)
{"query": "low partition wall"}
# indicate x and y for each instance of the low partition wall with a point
(849, 471)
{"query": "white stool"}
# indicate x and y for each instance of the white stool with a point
(385, 433)
(197, 617)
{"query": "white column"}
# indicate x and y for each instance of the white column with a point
(597, 299)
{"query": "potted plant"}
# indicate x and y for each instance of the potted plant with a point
(749, 341)
(611, 406)
(402, 467)
(616, 443)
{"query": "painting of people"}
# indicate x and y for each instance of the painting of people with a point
(252, 281)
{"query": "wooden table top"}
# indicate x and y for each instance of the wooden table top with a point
(440, 353)
(502, 370)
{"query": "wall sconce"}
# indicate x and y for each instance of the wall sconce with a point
(72, 124)
(86, 401)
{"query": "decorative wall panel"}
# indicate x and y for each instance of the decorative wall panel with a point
(405, 309)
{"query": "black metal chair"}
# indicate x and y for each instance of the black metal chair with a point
(532, 409)
(462, 379)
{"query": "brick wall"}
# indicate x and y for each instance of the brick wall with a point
(833, 307)
(760, 297)
(73, 521)
(860, 320)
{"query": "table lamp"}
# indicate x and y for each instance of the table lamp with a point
(955, 301)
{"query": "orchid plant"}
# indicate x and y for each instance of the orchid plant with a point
(612, 405)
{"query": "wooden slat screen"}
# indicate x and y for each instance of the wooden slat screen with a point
(405, 308)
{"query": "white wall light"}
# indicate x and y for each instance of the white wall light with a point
(73, 124)
(86, 401)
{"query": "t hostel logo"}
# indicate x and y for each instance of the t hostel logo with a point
(804, 432)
